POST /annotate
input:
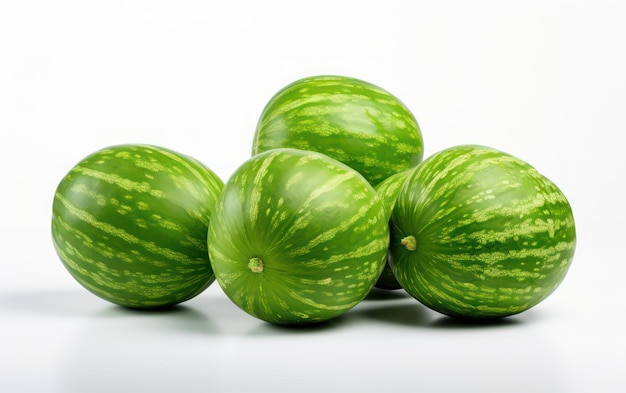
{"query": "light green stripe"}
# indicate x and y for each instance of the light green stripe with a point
(118, 232)
(305, 214)
(547, 254)
(331, 185)
(256, 192)
(123, 183)
(367, 250)
(199, 171)
(309, 302)
(331, 233)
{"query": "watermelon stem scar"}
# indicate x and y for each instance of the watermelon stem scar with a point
(255, 264)
(409, 242)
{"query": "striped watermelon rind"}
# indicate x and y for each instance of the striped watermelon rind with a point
(129, 223)
(478, 233)
(297, 237)
(350, 120)
(388, 191)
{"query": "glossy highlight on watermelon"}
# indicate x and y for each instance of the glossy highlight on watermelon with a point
(350, 120)
(297, 237)
(129, 223)
(478, 233)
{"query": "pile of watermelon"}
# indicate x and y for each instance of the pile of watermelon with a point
(335, 200)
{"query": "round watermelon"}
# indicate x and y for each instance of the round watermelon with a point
(297, 237)
(350, 120)
(478, 233)
(129, 223)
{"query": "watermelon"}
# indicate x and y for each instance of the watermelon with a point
(297, 237)
(478, 233)
(388, 191)
(129, 222)
(350, 120)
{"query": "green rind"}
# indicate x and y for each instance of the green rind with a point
(350, 120)
(494, 237)
(317, 226)
(130, 221)
(388, 191)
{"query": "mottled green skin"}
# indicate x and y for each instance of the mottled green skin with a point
(388, 191)
(316, 225)
(129, 223)
(350, 120)
(493, 236)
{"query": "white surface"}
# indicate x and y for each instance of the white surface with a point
(543, 80)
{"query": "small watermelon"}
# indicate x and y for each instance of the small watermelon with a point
(478, 233)
(297, 237)
(129, 222)
(350, 120)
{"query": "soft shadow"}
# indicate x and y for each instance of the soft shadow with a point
(272, 329)
(378, 294)
(54, 303)
(82, 304)
(403, 314)
(410, 312)
(183, 317)
(120, 311)
(447, 322)
(173, 319)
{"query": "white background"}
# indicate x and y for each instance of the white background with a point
(543, 80)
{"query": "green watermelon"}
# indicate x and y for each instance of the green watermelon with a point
(297, 237)
(129, 223)
(388, 191)
(350, 120)
(478, 233)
